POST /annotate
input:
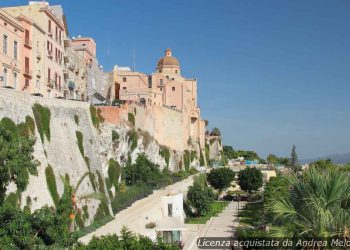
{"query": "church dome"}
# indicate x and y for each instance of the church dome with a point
(168, 60)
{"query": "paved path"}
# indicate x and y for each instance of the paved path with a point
(132, 216)
(224, 225)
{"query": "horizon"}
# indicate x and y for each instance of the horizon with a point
(270, 74)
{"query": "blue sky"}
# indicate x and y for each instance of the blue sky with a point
(270, 73)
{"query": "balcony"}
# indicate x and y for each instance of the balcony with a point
(28, 72)
(50, 82)
(28, 43)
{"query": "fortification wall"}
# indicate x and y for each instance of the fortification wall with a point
(62, 151)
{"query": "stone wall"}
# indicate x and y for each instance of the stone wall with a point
(62, 151)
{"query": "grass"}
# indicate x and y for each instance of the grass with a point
(252, 214)
(51, 184)
(96, 224)
(42, 116)
(215, 208)
(131, 118)
(80, 138)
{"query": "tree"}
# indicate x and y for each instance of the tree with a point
(215, 132)
(16, 159)
(200, 198)
(317, 205)
(294, 160)
(221, 178)
(272, 159)
(70, 198)
(250, 179)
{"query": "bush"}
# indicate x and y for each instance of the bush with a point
(150, 225)
(132, 139)
(142, 171)
(165, 153)
(76, 119)
(113, 172)
(115, 136)
(249, 233)
(221, 178)
(51, 184)
(131, 118)
(80, 138)
(42, 116)
(187, 159)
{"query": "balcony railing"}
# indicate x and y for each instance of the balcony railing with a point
(28, 43)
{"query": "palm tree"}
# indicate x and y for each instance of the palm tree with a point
(316, 205)
(75, 199)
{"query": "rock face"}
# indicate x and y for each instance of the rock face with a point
(69, 155)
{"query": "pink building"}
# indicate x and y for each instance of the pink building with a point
(11, 35)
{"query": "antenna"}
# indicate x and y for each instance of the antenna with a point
(134, 59)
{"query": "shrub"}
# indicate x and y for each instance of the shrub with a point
(87, 161)
(101, 187)
(221, 178)
(132, 139)
(76, 119)
(27, 128)
(249, 233)
(51, 184)
(42, 116)
(150, 225)
(165, 153)
(113, 172)
(187, 159)
(115, 136)
(193, 155)
(131, 118)
(80, 138)
(146, 138)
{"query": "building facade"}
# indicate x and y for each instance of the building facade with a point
(50, 32)
(11, 51)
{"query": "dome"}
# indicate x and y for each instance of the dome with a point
(168, 60)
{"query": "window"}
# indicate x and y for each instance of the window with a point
(48, 74)
(176, 71)
(4, 44)
(124, 79)
(160, 71)
(49, 29)
(167, 77)
(14, 80)
(161, 81)
(172, 79)
(59, 83)
(15, 47)
(173, 88)
(26, 83)
(56, 34)
(149, 81)
(161, 89)
(26, 37)
(170, 210)
(4, 83)
(37, 84)
(124, 87)
(26, 65)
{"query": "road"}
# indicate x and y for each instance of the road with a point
(134, 216)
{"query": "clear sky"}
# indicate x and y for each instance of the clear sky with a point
(270, 73)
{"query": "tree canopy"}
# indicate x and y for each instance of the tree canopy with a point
(221, 178)
(250, 179)
(230, 153)
(200, 197)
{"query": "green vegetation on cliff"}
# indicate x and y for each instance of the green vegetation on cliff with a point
(133, 137)
(96, 117)
(42, 116)
(114, 170)
(51, 184)
(80, 139)
(165, 153)
(131, 118)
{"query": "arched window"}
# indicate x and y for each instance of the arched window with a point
(4, 82)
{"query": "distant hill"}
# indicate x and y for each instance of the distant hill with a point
(336, 158)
